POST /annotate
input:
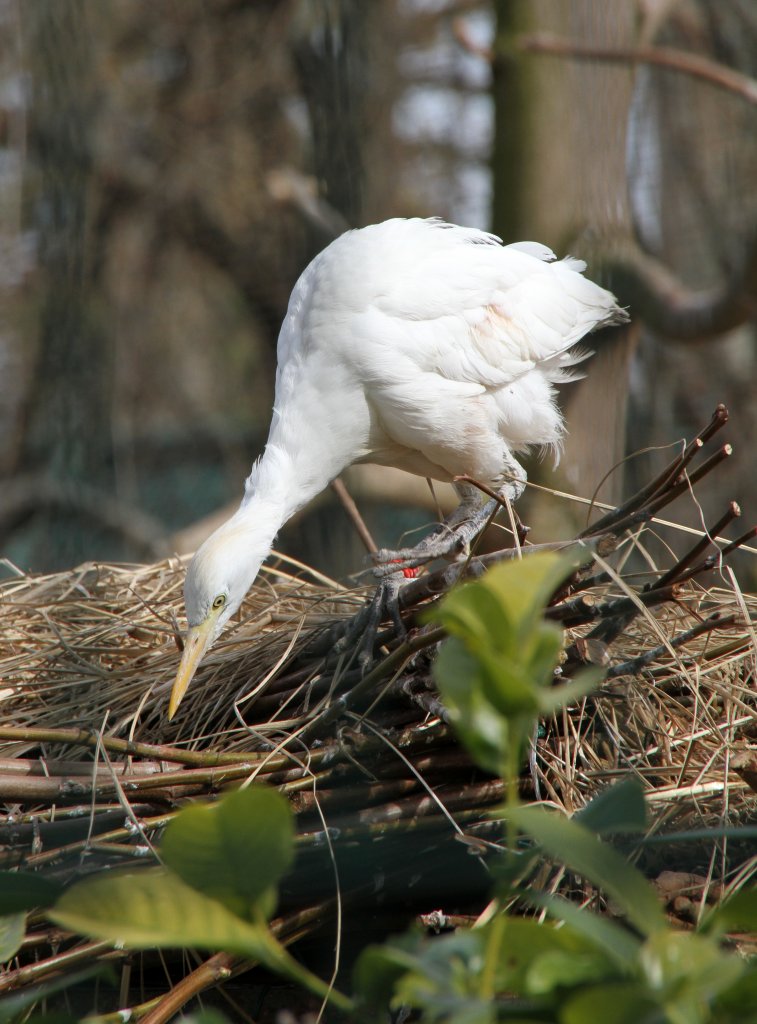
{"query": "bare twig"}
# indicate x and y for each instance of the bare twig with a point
(25, 496)
(635, 665)
(661, 56)
(354, 514)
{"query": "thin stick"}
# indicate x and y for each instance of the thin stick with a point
(661, 56)
(217, 968)
(158, 752)
(634, 665)
(337, 486)
(733, 512)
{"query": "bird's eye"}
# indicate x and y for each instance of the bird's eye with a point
(219, 602)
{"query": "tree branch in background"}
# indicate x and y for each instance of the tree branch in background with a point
(654, 293)
(24, 497)
(661, 56)
(675, 311)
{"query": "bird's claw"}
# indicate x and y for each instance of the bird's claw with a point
(364, 627)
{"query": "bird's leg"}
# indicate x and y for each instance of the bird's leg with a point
(459, 529)
(441, 541)
(454, 535)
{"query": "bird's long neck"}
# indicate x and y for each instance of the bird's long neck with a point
(279, 485)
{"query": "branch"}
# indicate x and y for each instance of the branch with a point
(692, 64)
(27, 495)
(676, 311)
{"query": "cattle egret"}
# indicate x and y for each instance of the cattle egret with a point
(412, 343)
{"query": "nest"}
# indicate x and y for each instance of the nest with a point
(90, 765)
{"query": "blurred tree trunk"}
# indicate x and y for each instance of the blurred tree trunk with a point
(330, 54)
(559, 177)
(67, 436)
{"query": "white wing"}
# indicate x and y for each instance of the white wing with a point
(437, 324)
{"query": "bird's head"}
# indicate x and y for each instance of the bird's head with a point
(218, 577)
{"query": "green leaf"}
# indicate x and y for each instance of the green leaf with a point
(12, 931)
(480, 726)
(377, 971)
(739, 999)
(613, 1003)
(507, 685)
(25, 890)
(602, 932)
(475, 613)
(686, 972)
(737, 913)
(553, 698)
(524, 586)
(571, 844)
(235, 850)
(155, 909)
(543, 652)
(438, 975)
(558, 970)
(506, 604)
(618, 808)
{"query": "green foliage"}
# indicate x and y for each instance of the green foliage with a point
(215, 891)
(619, 808)
(496, 674)
(222, 863)
(570, 843)
(12, 930)
(154, 908)
(20, 891)
(16, 1007)
(496, 671)
(222, 851)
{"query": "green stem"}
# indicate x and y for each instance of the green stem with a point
(493, 946)
(512, 800)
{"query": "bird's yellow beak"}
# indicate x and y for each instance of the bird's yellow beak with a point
(197, 641)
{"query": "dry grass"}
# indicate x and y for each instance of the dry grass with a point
(96, 649)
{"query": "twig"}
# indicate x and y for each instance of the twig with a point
(660, 484)
(353, 512)
(35, 972)
(634, 665)
(733, 512)
(160, 752)
(661, 56)
(216, 968)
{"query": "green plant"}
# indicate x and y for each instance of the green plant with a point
(496, 673)
(216, 888)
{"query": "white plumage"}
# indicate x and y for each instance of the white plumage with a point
(411, 343)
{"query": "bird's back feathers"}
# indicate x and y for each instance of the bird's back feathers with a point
(443, 331)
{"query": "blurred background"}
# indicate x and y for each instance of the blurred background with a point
(168, 168)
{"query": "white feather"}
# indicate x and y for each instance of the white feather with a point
(413, 343)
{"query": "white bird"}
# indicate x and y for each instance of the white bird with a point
(411, 343)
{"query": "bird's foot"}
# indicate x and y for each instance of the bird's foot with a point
(364, 627)
(450, 542)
